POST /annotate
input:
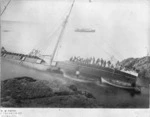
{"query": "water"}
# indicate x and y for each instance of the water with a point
(114, 97)
(107, 96)
(32, 23)
(110, 96)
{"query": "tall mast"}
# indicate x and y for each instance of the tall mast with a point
(61, 34)
(5, 7)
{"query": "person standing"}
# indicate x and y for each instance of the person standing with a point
(78, 72)
(97, 62)
(101, 62)
(93, 60)
(104, 63)
(108, 63)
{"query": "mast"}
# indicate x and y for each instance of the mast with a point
(61, 34)
(5, 7)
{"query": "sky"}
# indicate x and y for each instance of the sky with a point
(121, 28)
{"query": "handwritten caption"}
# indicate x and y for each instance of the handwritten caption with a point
(10, 113)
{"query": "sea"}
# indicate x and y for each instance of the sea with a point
(106, 96)
(35, 24)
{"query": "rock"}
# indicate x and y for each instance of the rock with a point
(73, 88)
(27, 92)
(25, 88)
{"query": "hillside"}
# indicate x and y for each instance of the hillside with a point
(141, 65)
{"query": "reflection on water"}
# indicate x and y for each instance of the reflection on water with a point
(107, 96)
(115, 97)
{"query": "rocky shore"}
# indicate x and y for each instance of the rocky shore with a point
(22, 86)
(141, 65)
(29, 92)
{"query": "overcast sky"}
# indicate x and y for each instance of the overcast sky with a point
(121, 28)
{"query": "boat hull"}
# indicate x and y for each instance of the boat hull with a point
(136, 89)
(96, 71)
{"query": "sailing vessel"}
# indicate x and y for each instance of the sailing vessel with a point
(84, 30)
(94, 71)
(98, 72)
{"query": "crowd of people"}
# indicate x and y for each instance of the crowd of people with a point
(93, 61)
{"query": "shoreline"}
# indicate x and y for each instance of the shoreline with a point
(106, 97)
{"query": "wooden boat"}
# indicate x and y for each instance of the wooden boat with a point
(122, 85)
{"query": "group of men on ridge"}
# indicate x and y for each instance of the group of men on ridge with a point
(94, 61)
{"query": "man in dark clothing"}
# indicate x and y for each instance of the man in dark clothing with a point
(71, 59)
(112, 66)
(3, 49)
(102, 62)
(93, 60)
(108, 63)
(97, 62)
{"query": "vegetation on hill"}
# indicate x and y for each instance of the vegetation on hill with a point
(141, 65)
